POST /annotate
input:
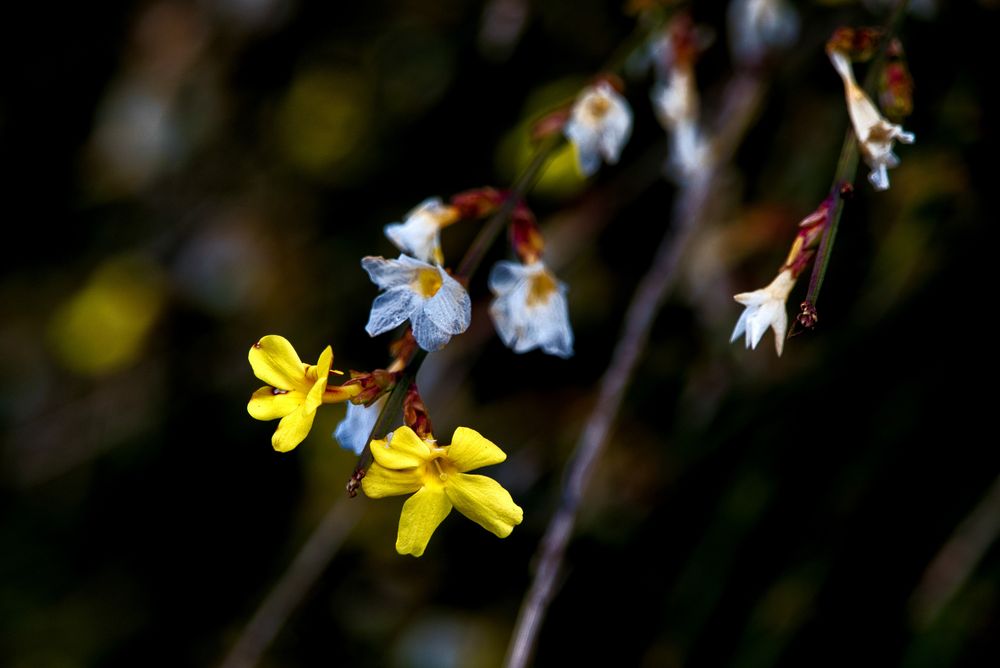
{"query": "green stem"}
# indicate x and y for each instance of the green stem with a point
(489, 232)
(847, 166)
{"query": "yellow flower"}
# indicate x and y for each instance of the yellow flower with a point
(405, 464)
(294, 390)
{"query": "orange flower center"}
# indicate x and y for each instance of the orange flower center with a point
(542, 287)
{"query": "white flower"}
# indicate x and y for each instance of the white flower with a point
(419, 234)
(530, 309)
(875, 134)
(765, 308)
(755, 26)
(676, 107)
(353, 431)
(599, 125)
(437, 306)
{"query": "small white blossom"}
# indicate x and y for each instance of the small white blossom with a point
(756, 26)
(875, 134)
(599, 125)
(436, 305)
(419, 234)
(353, 431)
(765, 308)
(676, 107)
(530, 309)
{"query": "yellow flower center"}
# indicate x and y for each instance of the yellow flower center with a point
(437, 469)
(598, 106)
(427, 282)
(542, 287)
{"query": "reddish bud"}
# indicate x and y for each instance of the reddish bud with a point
(525, 236)
(896, 84)
(415, 413)
(859, 44)
(478, 202)
(807, 317)
(550, 124)
(373, 385)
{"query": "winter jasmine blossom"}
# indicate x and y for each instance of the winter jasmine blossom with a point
(875, 134)
(419, 234)
(353, 431)
(599, 125)
(436, 477)
(765, 308)
(294, 390)
(530, 309)
(436, 305)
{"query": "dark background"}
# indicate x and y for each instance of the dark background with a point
(183, 178)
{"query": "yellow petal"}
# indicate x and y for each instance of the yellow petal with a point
(270, 404)
(403, 451)
(484, 501)
(322, 370)
(275, 362)
(470, 450)
(422, 513)
(293, 428)
(381, 482)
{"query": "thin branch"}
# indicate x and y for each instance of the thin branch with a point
(741, 103)
(958, 558)
(294, 584)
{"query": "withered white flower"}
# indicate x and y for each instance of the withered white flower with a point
(756, 26)
(353, 431)
(599, 125)
(765, 308)
(437, 306)
(419, 234)
(875, 134)
(530, 309)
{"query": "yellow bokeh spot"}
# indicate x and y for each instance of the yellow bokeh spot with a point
(561, 177)
(103, 327)
(324, 121)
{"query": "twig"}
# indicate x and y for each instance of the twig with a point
(294, 584)
(741, 103)
(957, 559)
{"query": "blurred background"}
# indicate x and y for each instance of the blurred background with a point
(194, 175)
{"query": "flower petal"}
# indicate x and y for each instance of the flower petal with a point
(293, 428)
(484, 501)
(275, 362)
(404, 450)
(266, 404)
(388, 274)
(471, 450)
(353, 431)
(322, 370)
(380, 482)
(422, 513)
(505, 275)
(450, 309)
(391, 309)
(429, 336)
